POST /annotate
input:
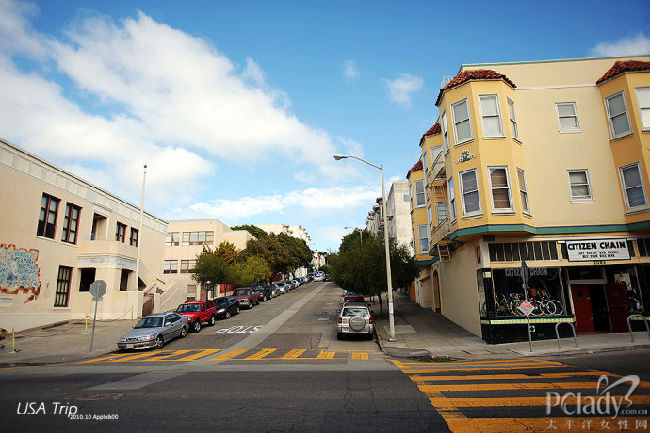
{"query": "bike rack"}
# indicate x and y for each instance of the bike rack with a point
(629, 327)
(557, 333)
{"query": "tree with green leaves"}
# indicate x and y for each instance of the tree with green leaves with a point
(254, 230)
(228, 252)
(252, 270)
(271, 250)
(300, 255)
(211, 268)
(361, 267)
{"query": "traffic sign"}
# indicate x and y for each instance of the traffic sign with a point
(98, 290)
(526, 308)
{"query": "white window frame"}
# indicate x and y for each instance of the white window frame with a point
(412, 200)
(426, 163)
(420, 239)
(429, 215)
(498, 115)
(514, 126)
(424, 196)
(445, 133)
(523, 192)
(475, 213)
(489, 173)
(452, 199)
(591, 192)
(469, 119)
(626, 113)
(439, 217)
(644, 128)
(559, 123)
(645, 196)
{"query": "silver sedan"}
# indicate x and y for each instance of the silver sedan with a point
(154, 331)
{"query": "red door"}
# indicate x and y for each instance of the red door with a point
(616, 294)
(581, 296)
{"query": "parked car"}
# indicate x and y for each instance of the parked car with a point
(354, 318)
(226, 307)
(288, 285)
(265, 292)
(351, 296)
(295, 283)
(154, 331)
(282, 288)
(197, 313)
(275, 291)
(326, 277)
(318, 277)
(247, 297)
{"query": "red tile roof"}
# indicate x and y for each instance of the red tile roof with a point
(622, 66)
(417, 167)
(477, 74)
(434, 130)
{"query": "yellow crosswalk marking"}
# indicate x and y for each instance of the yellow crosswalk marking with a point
(137, 357)
(359, 356)
(200, 354)
(293, 354)
(566, 424)
(166, 356)
(228, 355)
(443, 402)
(325, 355)
(104, 358)
(260, 354)
(437, 370)
(509, 386)
(419, 379)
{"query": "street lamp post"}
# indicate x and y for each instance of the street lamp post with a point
(137, 260)
(355, 229)
(389, 281)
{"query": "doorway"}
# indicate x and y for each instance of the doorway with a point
(590, 302)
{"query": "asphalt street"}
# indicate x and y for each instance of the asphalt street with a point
(279, 367)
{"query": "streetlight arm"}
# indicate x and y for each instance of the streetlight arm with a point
(337, 157)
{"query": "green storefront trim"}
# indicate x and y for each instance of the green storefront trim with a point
(426, 262)
(557, 230)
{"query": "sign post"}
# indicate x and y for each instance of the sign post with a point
(528, 307)
(98, 290)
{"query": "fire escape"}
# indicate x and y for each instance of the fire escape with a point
(440, 241)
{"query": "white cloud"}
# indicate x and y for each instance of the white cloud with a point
(323, 200)
(630, 46)
(350, 69)
(333, 234)
(180, 103)
(401, 88)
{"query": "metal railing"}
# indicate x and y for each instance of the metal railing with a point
(629, 326)
(557, 333)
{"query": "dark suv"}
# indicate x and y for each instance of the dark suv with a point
(226, 307)
(265, 292)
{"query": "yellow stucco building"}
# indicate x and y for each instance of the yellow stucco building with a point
(544, 162)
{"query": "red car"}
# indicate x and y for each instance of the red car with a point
(197, 313)
(354, 297)
(247, 297)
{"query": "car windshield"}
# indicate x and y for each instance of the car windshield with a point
(185, 308)
(149, 322)
(221, 302)
(354, 312)
(242, 292)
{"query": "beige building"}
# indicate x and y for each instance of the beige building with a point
(296, 231)
(398, 214)
(544, 162)
(185, 241)
(58, 234)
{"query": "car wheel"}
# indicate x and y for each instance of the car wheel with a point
(228, 314)
(339, 336)
(370, 336)
(237, 311)
(159, 342)
(196, 326)
(183, 331)
(266, 298)
(212, 320)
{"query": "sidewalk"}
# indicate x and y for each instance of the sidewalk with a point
(420, 332)
(66, 342)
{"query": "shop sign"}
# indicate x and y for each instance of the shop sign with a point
(599, 249)
(527, 308)
(516, 272)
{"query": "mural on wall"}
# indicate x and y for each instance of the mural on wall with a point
(19, 271)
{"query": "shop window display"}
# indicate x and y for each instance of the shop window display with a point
(544, 292)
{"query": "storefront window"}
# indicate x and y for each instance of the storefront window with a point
(544, 292)
(626, 276)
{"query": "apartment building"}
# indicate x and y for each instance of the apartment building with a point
(374, 220)
(60, 233)
(184, 242)
(398, 214)
(544, 162)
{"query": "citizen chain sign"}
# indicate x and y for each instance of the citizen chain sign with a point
(599, 249)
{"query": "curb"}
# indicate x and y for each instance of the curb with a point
(72, 359)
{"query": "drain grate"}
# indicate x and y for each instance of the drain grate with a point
(101, 396)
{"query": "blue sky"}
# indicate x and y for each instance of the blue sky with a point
(237, 107)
